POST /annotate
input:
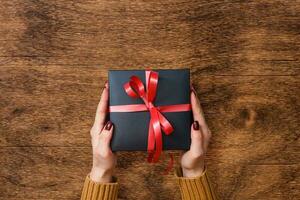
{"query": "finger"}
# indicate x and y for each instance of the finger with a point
(106, 135)
(197, 110)
(196, 140)
(101, 110)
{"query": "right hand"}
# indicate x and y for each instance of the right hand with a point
(192, 161)
(104, 160)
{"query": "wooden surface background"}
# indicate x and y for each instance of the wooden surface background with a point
(244, 60)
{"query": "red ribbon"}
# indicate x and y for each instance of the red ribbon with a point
(158, 123)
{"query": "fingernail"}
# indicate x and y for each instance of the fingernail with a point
(108, 125)
(196, 125)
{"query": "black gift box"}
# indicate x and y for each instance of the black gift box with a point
(131, 128)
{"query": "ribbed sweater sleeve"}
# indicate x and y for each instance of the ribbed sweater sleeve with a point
(99, 191)
(197, 188)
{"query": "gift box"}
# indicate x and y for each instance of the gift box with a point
(150, 109)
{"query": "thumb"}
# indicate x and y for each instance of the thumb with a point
(106, 134)
(196, 139)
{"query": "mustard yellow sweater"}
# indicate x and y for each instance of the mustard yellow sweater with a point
(198, 188)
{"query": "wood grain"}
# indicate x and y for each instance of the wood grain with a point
(258, 37)
(244, 61)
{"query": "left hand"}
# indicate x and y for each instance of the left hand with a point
(192, 162)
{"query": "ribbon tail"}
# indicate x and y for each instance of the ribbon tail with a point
(170, 164)
(165, 124)
(151, 142)
(157, 134)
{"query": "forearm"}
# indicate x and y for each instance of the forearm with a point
(198, 187)
(100, 191)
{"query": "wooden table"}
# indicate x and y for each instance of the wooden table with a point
(244, 60)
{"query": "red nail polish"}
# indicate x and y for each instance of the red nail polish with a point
(108, 125)
(196, 125)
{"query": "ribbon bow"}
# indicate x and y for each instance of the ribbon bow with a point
(158, 123)
(135, 89)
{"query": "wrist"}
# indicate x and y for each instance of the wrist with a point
(193, 172)
(101, 175)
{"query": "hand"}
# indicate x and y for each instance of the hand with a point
(104, 161)
(192, 162)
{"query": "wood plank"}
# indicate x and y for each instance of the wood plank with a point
(54, 106)
(235, 38)
(58, 173)
(42, 173)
